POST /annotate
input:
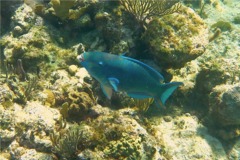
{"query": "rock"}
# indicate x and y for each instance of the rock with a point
(7, 129)
(224, 104)
(33, 154)
(176, 39)
(115, 134)
(34, 43)
(7, 10)
(72, 69)
(6, 96)
(185, 138)
(234, 152)
(3, 157)
(84, 21)
(35, 115)
(17, 31)
(79, 48)
(36, 140)
(24, 17)
(20, 153)
(125, 137)
(29, 128)
(81, 74)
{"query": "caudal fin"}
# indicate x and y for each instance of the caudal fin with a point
(166, 90)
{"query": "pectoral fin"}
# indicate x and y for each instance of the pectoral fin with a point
(114, 83)
(107, 90)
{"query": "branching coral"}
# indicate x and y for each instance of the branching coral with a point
(145, 9)
(61, 7)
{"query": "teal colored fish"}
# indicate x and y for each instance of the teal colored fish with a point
(120, 73)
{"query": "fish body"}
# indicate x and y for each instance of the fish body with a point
(120, 73)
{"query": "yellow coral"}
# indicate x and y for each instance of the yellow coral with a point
(61, 7)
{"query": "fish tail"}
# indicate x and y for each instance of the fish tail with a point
(166, 91)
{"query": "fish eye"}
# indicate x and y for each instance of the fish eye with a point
(100, 63)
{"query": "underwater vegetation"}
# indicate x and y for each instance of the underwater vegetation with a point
(65, 144)
(52, 108)
(224, 26)
(146, 9)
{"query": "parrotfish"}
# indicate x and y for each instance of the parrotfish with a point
(121, 73)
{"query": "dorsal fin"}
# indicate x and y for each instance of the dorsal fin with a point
(150, 69)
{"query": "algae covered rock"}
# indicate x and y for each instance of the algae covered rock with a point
(7, 130)
(22, 20)
(112, 135)
(80, 104)
(185, 138)
(177, 38)
(18, 152)
(234, 152)
(7, 9)
(28, 127)
(36, 115)
(224, 104)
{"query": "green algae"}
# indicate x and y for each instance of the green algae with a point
(236, 19)
(223, 25)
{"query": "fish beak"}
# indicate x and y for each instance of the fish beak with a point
(80, 58)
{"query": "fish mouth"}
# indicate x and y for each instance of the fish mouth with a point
(80, 58)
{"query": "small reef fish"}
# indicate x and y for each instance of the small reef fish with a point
(121, 73)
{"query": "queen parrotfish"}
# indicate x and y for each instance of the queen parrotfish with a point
(121, 73)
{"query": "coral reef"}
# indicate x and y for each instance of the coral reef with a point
(6, 13)
(50, 107)
(224, 104)
(235, 152)
(66, 144)
(176, 39)
(143, 10)
(191, 138)
(27, 127)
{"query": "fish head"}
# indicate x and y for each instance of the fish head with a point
(80, 58)
(93, 63)
(84, 59)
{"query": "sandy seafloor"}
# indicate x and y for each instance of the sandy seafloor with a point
(51, 108)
